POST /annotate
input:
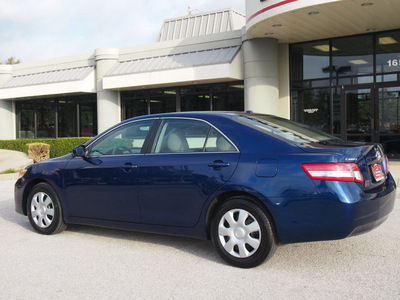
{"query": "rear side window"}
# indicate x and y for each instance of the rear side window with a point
(188, 136)
(216, 142)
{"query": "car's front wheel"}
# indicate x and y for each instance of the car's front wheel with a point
(44, 210)
(242, 233)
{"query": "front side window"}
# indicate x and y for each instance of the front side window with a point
(188, 136)
(125, 140)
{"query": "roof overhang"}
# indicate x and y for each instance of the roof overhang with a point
(67, 81)
(297, 20)
(222, 64)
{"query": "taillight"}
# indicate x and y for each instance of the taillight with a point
(387, 165)
(334, 171)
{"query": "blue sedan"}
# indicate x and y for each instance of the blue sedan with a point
(247, 181)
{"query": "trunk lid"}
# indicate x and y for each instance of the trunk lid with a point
(370, 158)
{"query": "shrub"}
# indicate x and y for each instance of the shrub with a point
(58, 147)
(38, 151)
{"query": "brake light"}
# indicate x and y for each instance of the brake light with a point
(334, 171)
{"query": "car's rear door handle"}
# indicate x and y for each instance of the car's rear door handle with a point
(218, 164)
(128, 167)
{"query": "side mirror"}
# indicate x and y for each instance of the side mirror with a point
(79, 151)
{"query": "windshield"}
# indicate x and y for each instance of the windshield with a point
(286, 129)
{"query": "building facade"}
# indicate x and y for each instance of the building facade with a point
(332, 64)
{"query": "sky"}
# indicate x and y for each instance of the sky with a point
(32, 30)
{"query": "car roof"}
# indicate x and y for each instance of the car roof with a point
(198, 114)
(206, 115)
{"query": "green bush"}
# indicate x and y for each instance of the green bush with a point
(58, 147)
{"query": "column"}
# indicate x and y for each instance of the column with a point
(108, 103)
(261, 78)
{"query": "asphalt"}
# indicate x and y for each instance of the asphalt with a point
(98, 263)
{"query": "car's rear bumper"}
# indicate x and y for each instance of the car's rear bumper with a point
(328, 216)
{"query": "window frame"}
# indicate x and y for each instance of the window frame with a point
(154, 139)
(148, 140)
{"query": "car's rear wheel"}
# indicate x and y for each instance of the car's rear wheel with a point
(44, 210)
(242, 233)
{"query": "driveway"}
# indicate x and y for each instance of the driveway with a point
(96, 263)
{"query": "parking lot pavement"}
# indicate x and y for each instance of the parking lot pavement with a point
(98, 263)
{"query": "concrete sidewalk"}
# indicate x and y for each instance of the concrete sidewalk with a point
(12, 160)
(394, 167)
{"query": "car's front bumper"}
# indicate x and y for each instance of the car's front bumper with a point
(19, 189)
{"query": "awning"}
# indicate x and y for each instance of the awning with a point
(72, 80)
(211, 64)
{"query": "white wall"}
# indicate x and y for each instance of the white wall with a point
(7, 113)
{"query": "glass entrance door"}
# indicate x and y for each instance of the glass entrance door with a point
(389, 119)
(372, 115)
(358, 119)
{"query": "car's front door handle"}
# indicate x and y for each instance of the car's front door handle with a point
(128, 167)
(218, 164)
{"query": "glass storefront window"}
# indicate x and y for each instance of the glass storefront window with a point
(220, 96)
(45, 117)
(352, 56)
(57, 117)
(88, 118)
(26, 121)
(362, 90)
(389, 110)
(358, 111)
(312, 107)
(228, 97)
(195, 98)
(162, 101)
(67, 118)
(135, 103)
(388, 54)
(310, 61)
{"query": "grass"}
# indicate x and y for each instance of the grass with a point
(9, 171)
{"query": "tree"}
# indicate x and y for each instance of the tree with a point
(11, 61)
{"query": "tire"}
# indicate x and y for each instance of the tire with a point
(242, 233)
(44, 210)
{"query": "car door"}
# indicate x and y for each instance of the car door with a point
(190, 159)
(102, 185)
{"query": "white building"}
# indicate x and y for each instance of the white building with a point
(332, 64)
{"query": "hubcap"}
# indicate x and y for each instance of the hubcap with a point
(42, 210)
(239, 233)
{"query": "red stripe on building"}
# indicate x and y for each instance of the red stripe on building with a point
(270, 7)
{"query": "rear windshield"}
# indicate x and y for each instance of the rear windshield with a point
(285, 129)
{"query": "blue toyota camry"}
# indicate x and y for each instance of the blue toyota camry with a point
(247, 181)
